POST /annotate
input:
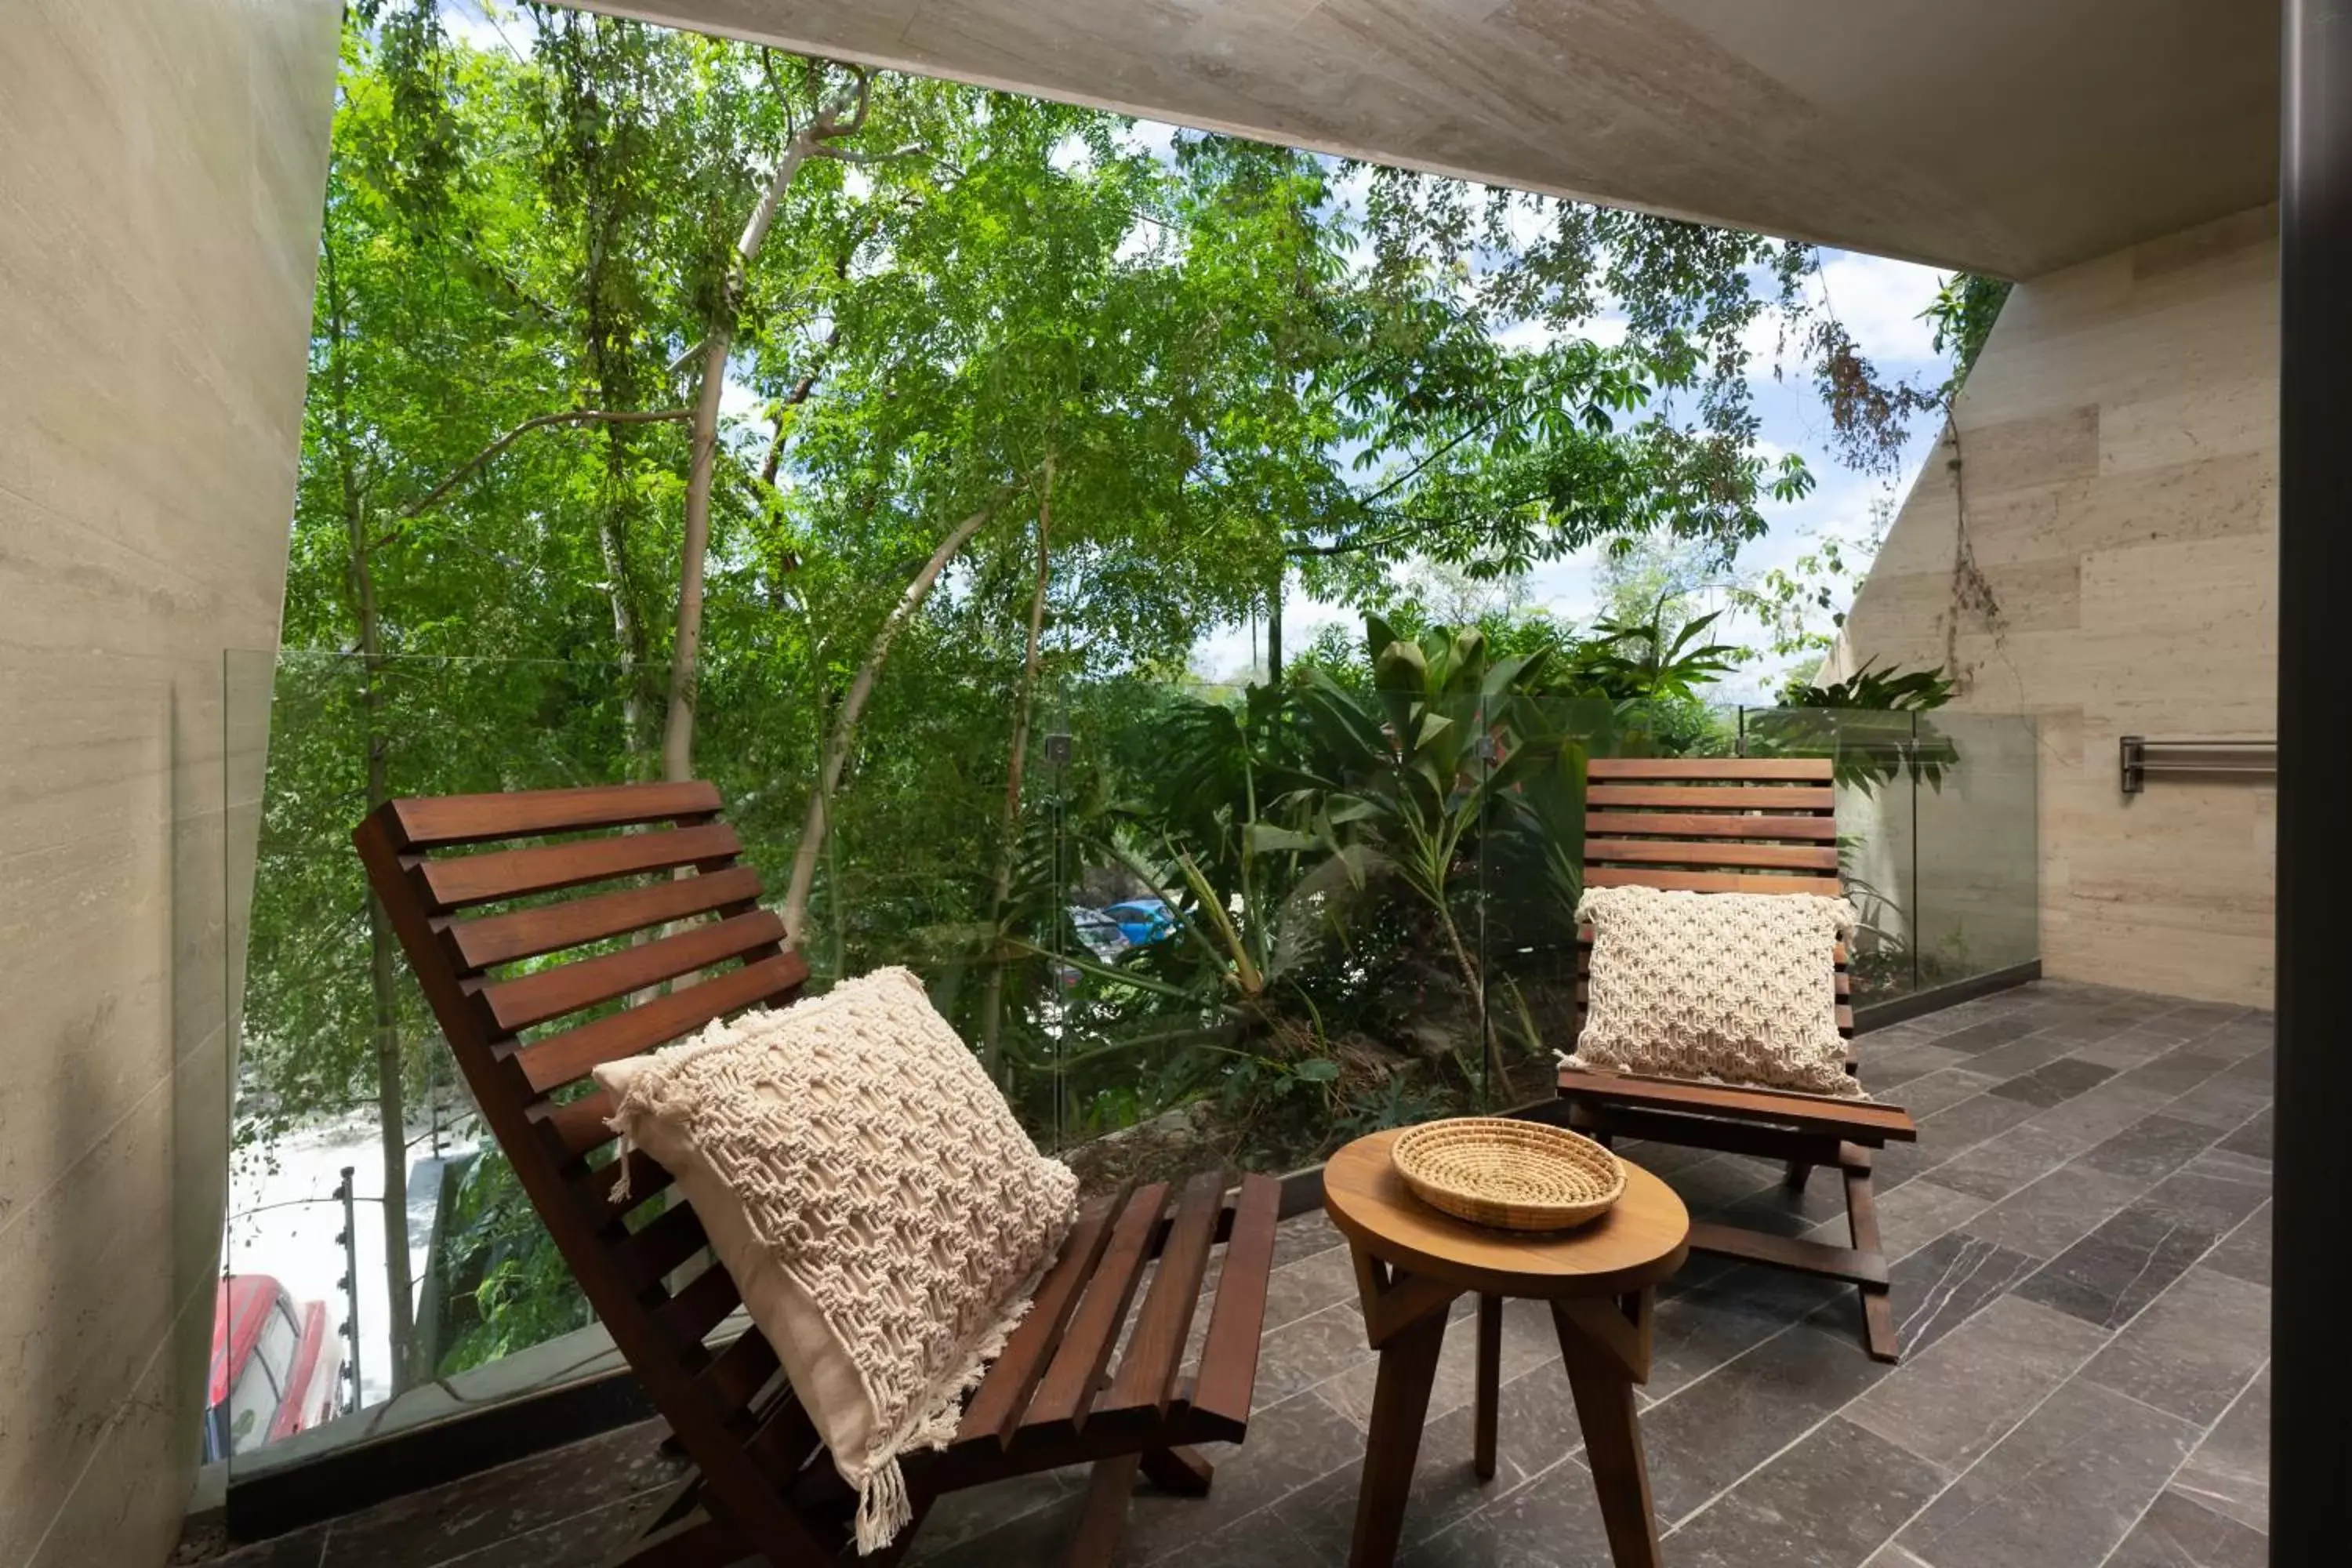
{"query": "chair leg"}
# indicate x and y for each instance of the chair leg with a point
(1181, 1471)
(1104, 1519)
(1862, 1225)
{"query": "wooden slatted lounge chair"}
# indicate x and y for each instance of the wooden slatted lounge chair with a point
(469, 901)
(1749, 826)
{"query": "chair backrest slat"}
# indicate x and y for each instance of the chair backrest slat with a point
(559, 1059)
(488, 939)
(662, 1244)
(737, 1375)
(479, 878)
(1791, 799)
(1719, 824)
(1715, 851)
(1713, 824)
(691, 1313)
(531, 999)
(439, 822)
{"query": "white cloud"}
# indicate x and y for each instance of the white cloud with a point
(487, 25)
(1879, 301)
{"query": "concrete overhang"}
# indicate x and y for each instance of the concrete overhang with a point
(2004, 136)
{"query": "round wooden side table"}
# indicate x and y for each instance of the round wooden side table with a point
(1412, 1261)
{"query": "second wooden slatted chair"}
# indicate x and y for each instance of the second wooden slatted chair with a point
(1749, 826)
(475, 884)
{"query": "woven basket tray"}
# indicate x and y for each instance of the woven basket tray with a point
(1516, 1175)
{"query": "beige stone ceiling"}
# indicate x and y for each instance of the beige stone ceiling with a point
(2008, 136)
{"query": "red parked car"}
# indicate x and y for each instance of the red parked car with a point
(276, 1366)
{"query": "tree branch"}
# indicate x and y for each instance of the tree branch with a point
(570, 416)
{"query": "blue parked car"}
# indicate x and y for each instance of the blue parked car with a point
(1142, 920)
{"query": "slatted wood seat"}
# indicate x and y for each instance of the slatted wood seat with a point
(1750, 826)
(476, 884)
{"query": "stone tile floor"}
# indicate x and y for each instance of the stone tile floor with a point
(2081, 1247)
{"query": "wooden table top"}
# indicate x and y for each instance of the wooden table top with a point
(1640, 1241)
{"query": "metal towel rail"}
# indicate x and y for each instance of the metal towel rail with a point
(2194, 757)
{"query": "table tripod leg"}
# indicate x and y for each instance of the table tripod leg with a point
(1603, 1388)
(1490, 1377)
(1399, 1404)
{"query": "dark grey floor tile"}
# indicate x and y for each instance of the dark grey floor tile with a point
(1830, 1501)
(2119, 1268)
(2000, 1166)
(2177, 1071)
(1949, 1402)
(1787, 1211)
(2059, 1491)
(1528, 1341)
(1912, 1215)
(1315, 1348)
(2150, 1149)
(1710, 1433)
(2222, 1102)
(1262, 1539)
(975, 1511)
(2231, 1472)
(2021, 1056)
(2245, 1252)
(2126, 1051)
(1291, 1445)
(2252, 1138)
(583, 1541)
(1888, 1065)
(1041, 1535)
(2257, 1056)
(2207, 1015)
(1698, 1330)
(1976, 1038)
(1552, 1519)
(1923, 1097)
(2176, 1533)
(298, 1549)
(2191, 1352)
(2211, 1192)
(1972, 1122)
(2100, 1113)
(1897, 1163)
(1303, 1236)
(2047, 1216)
(498, 1505)
(1298, 1289)
(1535, 1430)
(1947, 1281)
(1720, 1181)
(1660, 1158)
(2054, 1081)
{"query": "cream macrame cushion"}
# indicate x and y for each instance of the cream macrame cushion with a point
(1729, 987)
(883, 1214)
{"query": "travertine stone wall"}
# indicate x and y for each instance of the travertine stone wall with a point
(2118, 457)
(162, 167)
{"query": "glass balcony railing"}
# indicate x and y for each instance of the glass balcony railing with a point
(1211, 931)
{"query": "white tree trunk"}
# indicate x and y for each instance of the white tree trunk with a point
(845, 723)
(837, 119)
